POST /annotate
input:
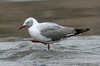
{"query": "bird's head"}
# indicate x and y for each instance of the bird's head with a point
(28, 22)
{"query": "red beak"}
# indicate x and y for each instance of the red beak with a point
(22, 27)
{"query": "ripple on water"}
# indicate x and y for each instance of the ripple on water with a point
(65, 52)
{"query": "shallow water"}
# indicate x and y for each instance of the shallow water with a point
(78, 51)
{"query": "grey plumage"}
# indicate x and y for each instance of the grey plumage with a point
(56, 32)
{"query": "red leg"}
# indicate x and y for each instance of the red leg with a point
(48, 46)
(35, 41)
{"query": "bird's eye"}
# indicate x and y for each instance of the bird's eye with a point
(27, 22)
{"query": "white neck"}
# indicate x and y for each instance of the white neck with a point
(35, 22)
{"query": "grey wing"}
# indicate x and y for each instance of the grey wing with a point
(47, 26)
(57, 34)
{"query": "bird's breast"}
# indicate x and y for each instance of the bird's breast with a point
(36, 35)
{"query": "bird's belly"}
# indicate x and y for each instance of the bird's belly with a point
(37, 36)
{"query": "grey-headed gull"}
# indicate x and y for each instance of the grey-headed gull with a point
(48, 32)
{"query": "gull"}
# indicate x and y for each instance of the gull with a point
(48, 32)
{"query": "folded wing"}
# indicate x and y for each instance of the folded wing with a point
(56, 32)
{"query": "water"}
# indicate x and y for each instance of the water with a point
(18, 0)
(74, 51)
(77, 14)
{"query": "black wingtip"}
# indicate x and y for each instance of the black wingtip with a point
(82, 30)
(87, 29)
